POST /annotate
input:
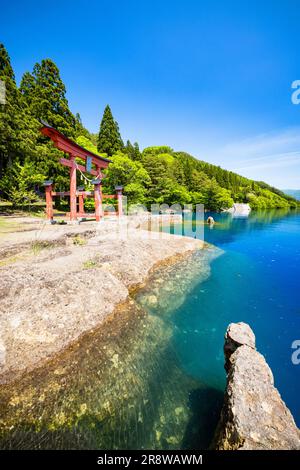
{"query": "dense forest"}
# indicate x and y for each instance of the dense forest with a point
(155, 175)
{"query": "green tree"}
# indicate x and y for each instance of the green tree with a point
(83, 141)
(217, 198)
(128, 173)
(137, 152)
(198, 181)
(179, 195)
(27, 87)
(133, 151)
(135, 193)
(19, 182)
(109, 139)
(80, 130)
(8, 110)
(160, 178)
(157, 150)
(45, 94)
(18, 129)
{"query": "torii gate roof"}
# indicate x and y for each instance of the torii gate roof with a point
(72, 148)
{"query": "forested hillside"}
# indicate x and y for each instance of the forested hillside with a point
(155, 175)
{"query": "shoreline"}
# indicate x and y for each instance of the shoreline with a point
(106, 376)
(118, 375)
(28, 342)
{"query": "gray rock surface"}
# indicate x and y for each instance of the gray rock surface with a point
(254, 416)
(57, 282)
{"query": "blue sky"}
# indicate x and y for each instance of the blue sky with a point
(212, 78)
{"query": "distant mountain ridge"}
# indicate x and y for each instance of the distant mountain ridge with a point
(295, 193)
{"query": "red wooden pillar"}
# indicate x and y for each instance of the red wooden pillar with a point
(73, 198)
(119, 190)
(49, 202)
(81, 204)
(81, 200)
(98, 199)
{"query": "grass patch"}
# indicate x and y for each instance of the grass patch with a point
(9, 260)
(78, 240)
(90, 264)
(37, 246)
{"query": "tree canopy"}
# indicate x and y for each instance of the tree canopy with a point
(109, 138)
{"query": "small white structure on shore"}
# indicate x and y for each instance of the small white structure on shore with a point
(240, 210)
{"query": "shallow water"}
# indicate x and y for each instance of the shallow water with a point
(153, 375)
(121, 386)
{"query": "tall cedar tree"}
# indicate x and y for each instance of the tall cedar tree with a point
(45, 94)
(18, 129)
(109, 139)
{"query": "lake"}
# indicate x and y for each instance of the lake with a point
(256, 280)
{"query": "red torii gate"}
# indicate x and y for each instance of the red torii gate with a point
(94, 164)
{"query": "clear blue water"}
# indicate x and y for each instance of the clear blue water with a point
(256, 280)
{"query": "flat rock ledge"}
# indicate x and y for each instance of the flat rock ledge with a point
(58, 282)
(254, 416)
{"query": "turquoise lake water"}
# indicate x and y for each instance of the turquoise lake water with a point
(256, 280)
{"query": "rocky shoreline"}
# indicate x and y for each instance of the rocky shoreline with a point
(58, 282)
(67, 291)
(254, 416)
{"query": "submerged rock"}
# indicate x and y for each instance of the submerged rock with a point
(254, 415)
(169, 285)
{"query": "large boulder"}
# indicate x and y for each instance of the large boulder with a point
(254, 416)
